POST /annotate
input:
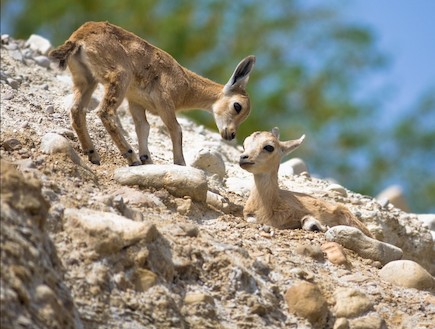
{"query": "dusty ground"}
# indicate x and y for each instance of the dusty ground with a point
(239, 271)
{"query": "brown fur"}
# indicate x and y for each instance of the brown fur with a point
(283, 209)
(151, 80)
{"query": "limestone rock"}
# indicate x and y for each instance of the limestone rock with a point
(33, 294)
(409, 274)
(337, 188)
(350, 303)
(428, 220)
(178, 180)
(353, 239)
(38, 44)
(107, 232)
(210, 161)
(306, 300)
(52, 143)
(294, 166)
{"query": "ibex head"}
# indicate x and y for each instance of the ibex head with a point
(233, 107)
(263, 151)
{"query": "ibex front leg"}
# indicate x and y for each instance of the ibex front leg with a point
(113, 97)
(170, 120)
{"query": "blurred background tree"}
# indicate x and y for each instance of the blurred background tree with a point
(311, 76)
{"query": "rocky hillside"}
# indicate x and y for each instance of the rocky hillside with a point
(85, 246)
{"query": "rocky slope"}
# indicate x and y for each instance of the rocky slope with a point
(81, 250)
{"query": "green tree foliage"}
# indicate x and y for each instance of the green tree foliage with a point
(311, 67)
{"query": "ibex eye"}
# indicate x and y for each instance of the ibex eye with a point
(269, 148)
(237, 107)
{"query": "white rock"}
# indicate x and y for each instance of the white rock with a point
(38, 43)
(52, 143)
(107, 232)
(338, 189)
(409, 274)
(180, 181)
(353, 239)
(428, 220)
(210, 161)
(294, 166)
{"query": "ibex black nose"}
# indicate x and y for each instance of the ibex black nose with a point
(244, 161)
(228, 134)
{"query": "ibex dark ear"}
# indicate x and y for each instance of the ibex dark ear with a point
(275, 132)
(289, 146)
(240, 76)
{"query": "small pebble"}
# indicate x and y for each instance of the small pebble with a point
(335, 253)
(337, 188)
(8, 96)
(13, 83)
(42, 61)
(49, 109)
(12, 144)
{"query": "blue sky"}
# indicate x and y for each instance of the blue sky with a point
(405, 32)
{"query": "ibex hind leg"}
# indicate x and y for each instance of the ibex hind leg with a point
(84, 86)
(114, 94)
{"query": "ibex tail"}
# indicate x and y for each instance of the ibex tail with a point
(63, 52)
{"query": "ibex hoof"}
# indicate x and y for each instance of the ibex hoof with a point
(180, 163)
(145, 159)
(93, 157)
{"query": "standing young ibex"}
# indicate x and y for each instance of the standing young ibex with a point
(129, 67)
(268, 204)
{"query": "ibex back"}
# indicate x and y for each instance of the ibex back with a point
(151, 80)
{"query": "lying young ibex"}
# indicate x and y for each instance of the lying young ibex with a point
(129, 67)
(268, 204)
